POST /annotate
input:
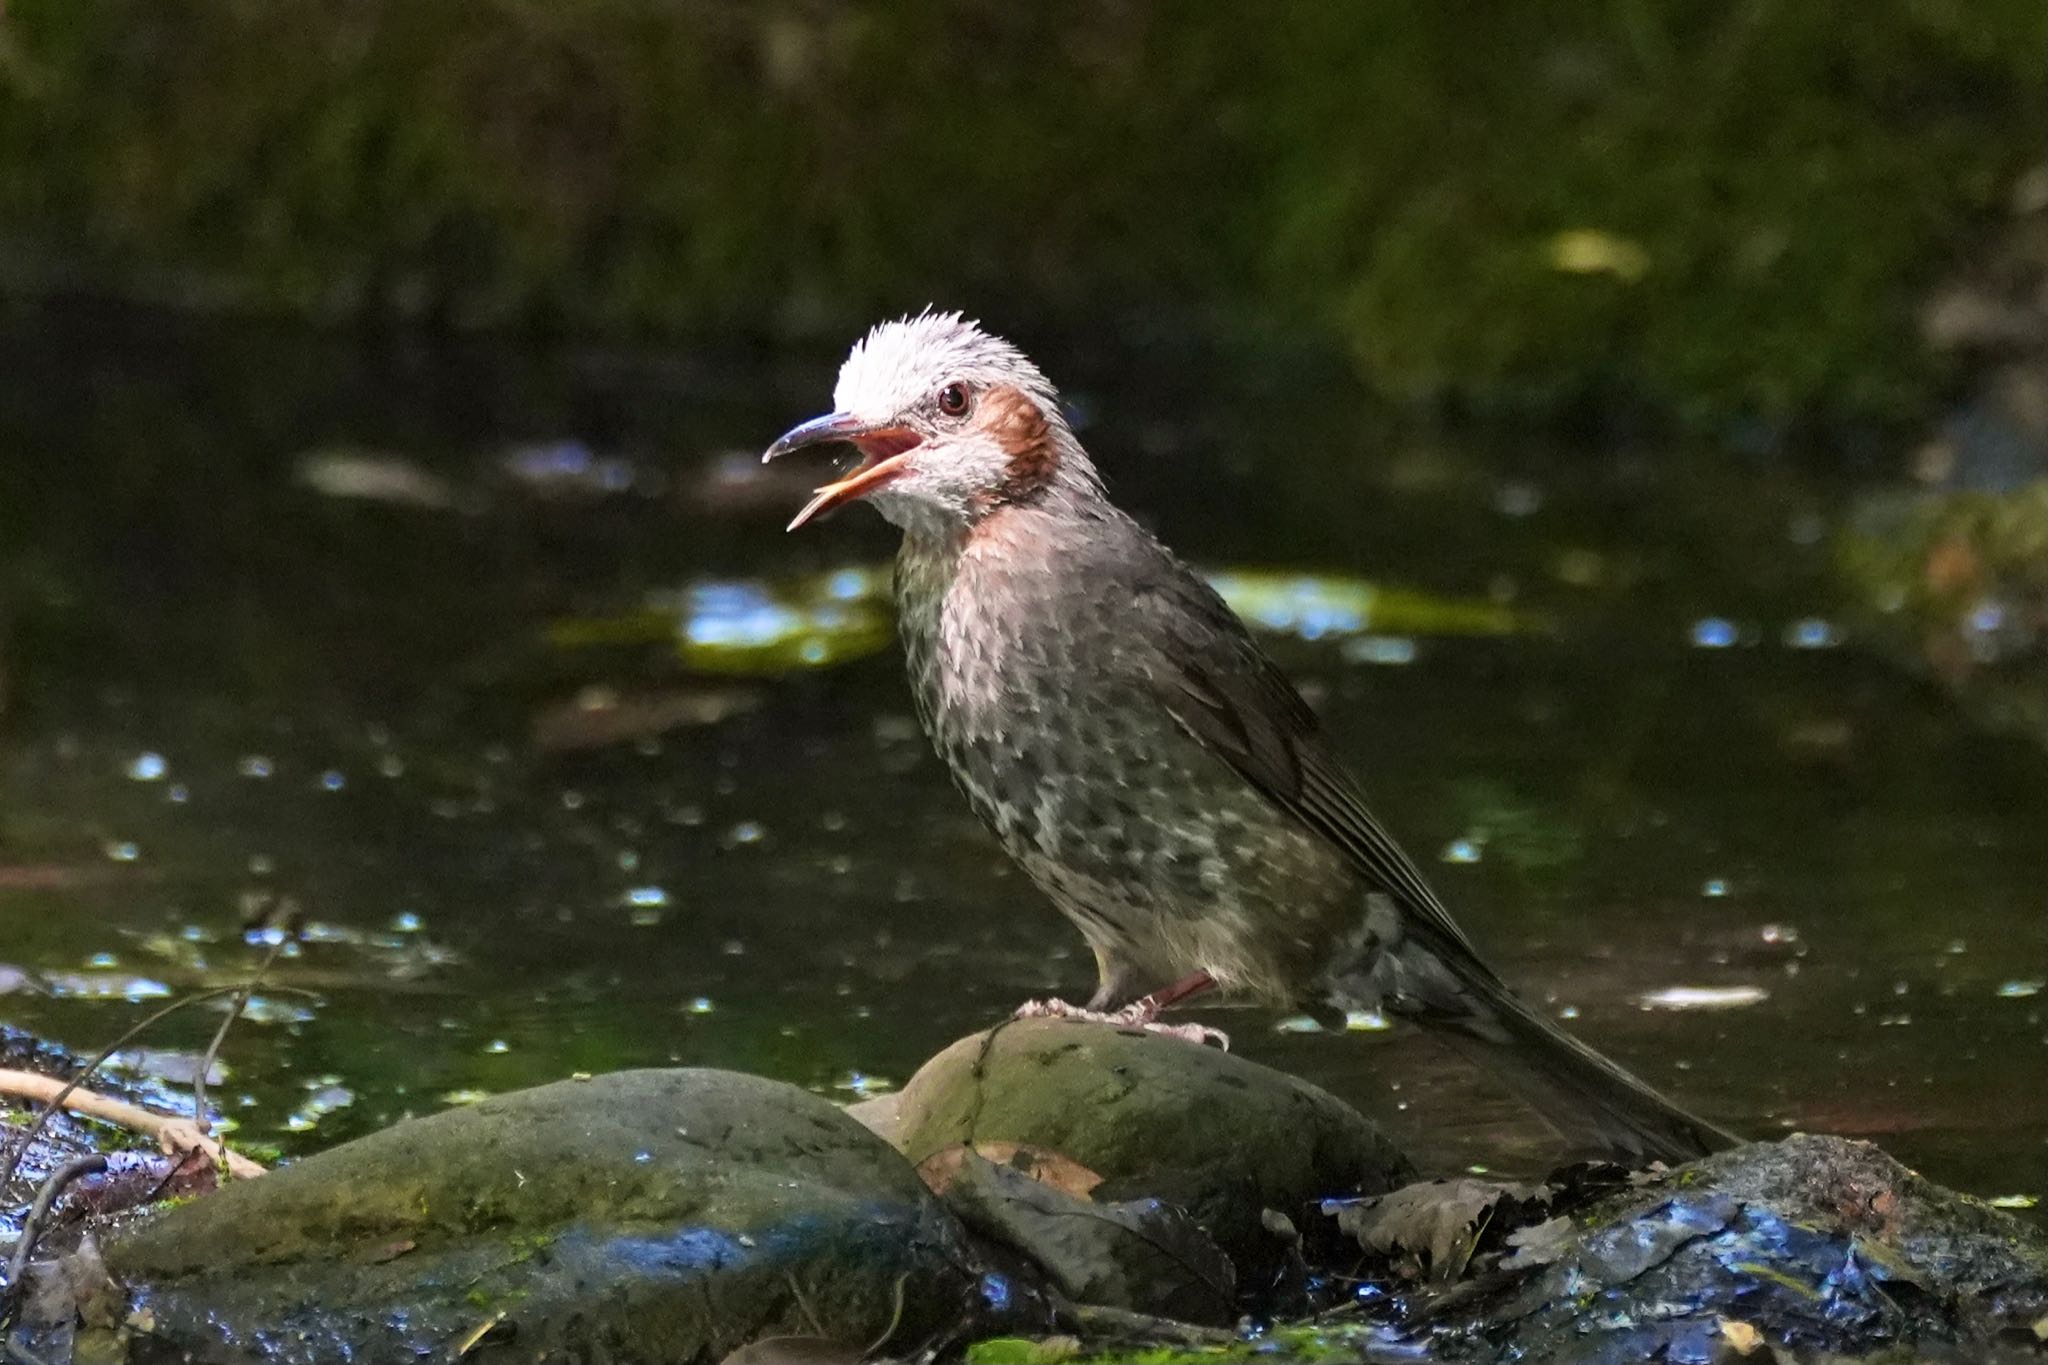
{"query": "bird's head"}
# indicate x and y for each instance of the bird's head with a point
(950, 423)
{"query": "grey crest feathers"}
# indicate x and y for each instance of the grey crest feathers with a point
(899, 364)
(1012, 443)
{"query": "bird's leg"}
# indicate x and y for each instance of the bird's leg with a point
(1142, 1013)
(1148, 1007)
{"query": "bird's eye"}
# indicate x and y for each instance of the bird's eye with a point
(953, 400)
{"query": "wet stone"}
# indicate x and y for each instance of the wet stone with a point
(1204, 1130)
(1142, 1254)
(1816, 1245)
(642, 1216)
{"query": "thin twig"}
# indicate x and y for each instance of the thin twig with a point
(32, 1226)
(476, 1334)
(895, 1317)
(50, 1107)
(1123, 1325)
(220, 1035)
(803, 1305)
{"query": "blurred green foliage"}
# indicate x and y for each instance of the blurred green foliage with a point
(1956, 584)
(1720, 209)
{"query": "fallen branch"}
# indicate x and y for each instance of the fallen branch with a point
(175, 1134)
(149, 1022)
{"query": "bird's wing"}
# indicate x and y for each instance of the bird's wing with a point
(1201, 663)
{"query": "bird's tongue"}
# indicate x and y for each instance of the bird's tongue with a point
(882, 459)
(881, 445)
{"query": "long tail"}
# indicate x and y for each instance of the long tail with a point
(1592, 1102)
(1595, 1105)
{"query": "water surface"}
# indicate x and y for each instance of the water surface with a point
(500, 673)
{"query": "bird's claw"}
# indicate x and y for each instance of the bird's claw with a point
(1199, 1034)
(1137, 1015)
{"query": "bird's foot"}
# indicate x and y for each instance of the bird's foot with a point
(1061, 1009)
(1139, 1014)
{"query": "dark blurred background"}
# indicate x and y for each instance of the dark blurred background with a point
(1628, 420)
(1717, 211)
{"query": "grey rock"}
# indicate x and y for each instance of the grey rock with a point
(652, 1216)
(1809, 1249)
(1142, 1254)
(1219, 1136)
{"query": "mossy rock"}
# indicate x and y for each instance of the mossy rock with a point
(1209, 1131)
(642, 1216)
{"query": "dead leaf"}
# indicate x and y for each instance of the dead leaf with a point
(1044, 1165)
(390, 1251)
(941, 1170)
(1280, 1225)
(75, 1286)
(132, 1179)
(1437, 1225)
(1540, 1244)
(181, 1136)
(1742, 1337)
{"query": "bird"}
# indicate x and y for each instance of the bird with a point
(1115, 725)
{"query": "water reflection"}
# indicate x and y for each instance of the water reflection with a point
(772, 627)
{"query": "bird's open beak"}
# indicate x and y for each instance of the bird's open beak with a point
(884, 453)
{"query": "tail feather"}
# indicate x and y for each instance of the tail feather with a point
(1410, 966)
(1596, 1105)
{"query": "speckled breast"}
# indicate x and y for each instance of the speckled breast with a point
(1135, 830)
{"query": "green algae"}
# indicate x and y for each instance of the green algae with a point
(764, 628)
(1297, 1344)
(752, 628)
(1023, 1351)
(1321, 606)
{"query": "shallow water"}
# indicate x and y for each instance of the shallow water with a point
(501, 672)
